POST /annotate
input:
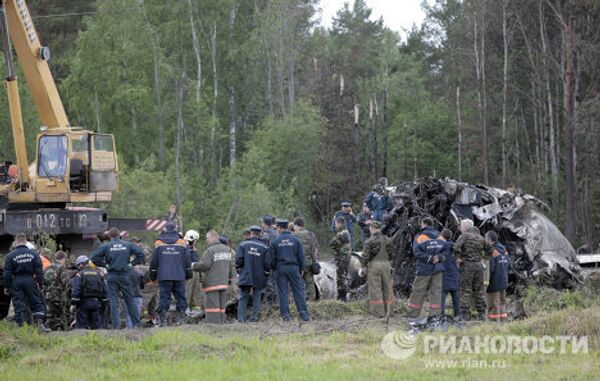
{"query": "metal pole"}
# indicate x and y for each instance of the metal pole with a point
(6, 43)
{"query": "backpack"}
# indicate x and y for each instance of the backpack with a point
(92, 284)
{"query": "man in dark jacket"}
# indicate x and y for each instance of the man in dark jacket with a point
(218, 267)
(24, 281)
(349, 219)
(137, 285)
(379, 202)
(171, 266)
(496, 291)
(88, 296)
(253, 268)
(288, 263)
(451, 277)
(372, 200)
(116, 257)
(428, 248)
(469, 250)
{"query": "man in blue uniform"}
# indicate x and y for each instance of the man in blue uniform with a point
(428, 248)
(253, 268)
(88, 295)
(24, 281)
(499, 267)
(116, 255)
(171, 265)
(349, 218)
(451, 277)
(288, 262)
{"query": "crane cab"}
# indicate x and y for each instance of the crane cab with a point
(72, 165)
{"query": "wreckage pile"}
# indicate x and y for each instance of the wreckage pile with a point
(539, 252)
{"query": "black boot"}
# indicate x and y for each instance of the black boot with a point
(342, 295)
(162, 319)
(39, 322)
(181, 318)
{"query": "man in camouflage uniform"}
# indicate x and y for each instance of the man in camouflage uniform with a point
(376, 259)
(58, 289)
(310, 246)
(341, 245)
(469, 250)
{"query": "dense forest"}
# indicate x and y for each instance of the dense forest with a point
(235, 108)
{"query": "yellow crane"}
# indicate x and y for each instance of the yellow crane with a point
(72, 165)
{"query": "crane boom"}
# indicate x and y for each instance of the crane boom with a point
(33, 59)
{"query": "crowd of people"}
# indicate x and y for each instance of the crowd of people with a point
(272, 261)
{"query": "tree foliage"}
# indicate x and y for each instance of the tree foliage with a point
(276, 114)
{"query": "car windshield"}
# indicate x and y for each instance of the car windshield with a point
(52, 156)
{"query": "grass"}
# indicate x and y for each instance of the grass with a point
(341, 348)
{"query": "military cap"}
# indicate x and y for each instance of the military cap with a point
(346, 204)
(282, 223)
(255, 228)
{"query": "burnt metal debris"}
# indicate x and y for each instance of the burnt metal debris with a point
(539, 252)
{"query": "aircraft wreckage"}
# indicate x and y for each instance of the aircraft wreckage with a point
(540, 253)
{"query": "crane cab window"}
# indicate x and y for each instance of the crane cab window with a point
(79, 143)
(103, 153)
(52, 156)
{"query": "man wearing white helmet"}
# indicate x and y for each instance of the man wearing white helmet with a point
(88, 296)
(191, 237)
(193, 287)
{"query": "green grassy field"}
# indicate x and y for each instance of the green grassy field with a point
(337, 349)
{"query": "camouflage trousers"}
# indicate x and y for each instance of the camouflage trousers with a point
(58, 317)
(496, 305)
(429, 286)
(379, 284)
(311, 290)
(342, 262)
(471, 288)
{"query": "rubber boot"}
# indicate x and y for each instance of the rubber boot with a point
(162, 319)
(39, 321)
